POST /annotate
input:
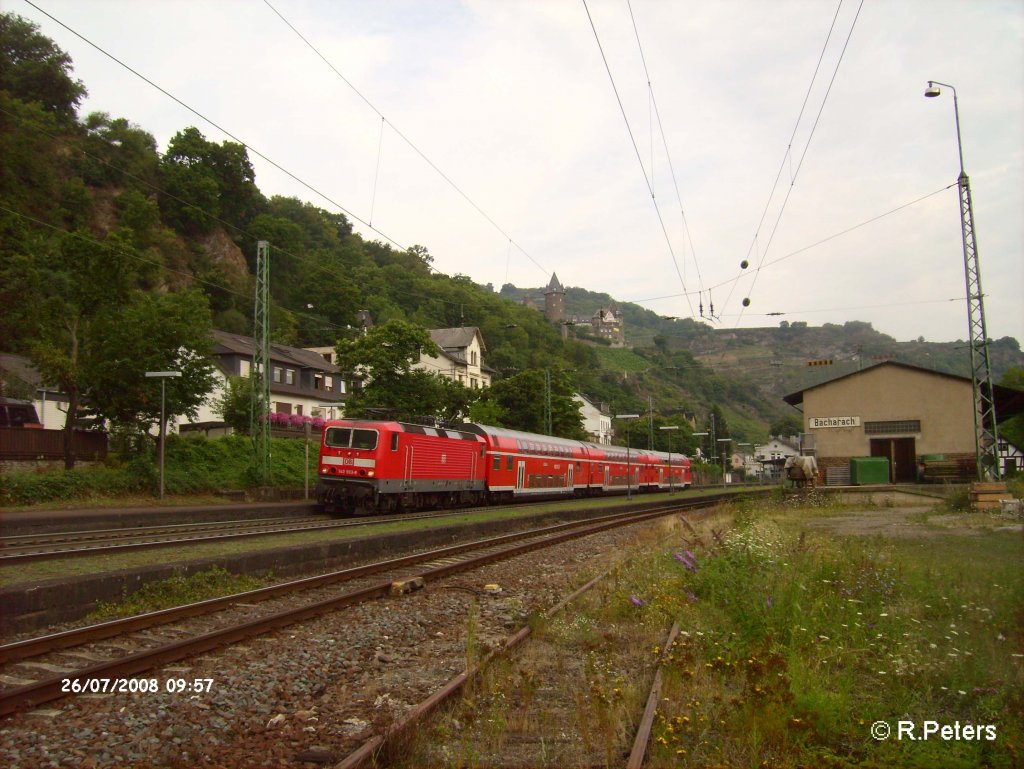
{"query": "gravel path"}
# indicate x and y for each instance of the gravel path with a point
(309, 694)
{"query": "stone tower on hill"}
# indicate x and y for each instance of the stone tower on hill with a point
(554, 301)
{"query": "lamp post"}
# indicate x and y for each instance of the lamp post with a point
(986, 440)
(163, 376)
(669, 427)
(629, 469)
(724, 440)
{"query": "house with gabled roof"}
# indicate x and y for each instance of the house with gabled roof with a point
(908, 414)
(460, 357)
(303, 383)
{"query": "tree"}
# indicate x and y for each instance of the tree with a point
(235, 404)
(34, 69)
(520, 402)
(153, 332)
(92, 333)
(206, 182)
(787, 425)
(1012, 429)
(384, 356)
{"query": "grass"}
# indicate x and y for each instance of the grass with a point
(798, 642)
(177, 591)
(798, 635)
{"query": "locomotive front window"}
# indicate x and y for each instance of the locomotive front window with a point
(346, 437)
(364, 439)
(338, 437)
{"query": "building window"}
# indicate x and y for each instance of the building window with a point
(329, 384)
(277, 373)
(318, 381)
(244, 367)
(289, 376)
(893, 427)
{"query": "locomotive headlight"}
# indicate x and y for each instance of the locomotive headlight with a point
(370, 473)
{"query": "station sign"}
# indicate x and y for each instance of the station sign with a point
(818, 423)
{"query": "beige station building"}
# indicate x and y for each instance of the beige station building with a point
(905, 413)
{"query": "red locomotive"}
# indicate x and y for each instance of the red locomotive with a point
(371, 466)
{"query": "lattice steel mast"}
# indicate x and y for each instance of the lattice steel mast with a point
(986, 437)
(259, 414)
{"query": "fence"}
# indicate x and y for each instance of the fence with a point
(24, 444)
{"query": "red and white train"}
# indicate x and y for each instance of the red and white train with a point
(371, 466)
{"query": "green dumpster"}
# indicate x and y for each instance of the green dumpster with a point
(865, 471)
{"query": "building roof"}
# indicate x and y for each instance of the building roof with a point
(239, 344)
(554, 287)
(453, 340)
(1008, 402)
(19, 368)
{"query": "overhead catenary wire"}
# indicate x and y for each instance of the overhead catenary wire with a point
(636, 149)
(235, 138)
(300, 258)
(668, 156)
(807, 145)
(404, 138)
(220, 128)
(798, 251)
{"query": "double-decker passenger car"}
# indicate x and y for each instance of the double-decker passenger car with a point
(370, 466)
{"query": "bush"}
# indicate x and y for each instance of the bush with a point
(191, 466)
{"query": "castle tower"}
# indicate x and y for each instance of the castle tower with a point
(554, 301)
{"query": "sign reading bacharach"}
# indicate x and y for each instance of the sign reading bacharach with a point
(820, 422)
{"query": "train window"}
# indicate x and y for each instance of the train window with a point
(508, 462)
(338, 437)
(364, 439)
(346, 437)
(394, 441)
(497, 463)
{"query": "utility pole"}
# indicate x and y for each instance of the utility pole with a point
(259, 415)
(986, 438)
(547, 401)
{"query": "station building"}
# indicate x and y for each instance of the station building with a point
(910, 415)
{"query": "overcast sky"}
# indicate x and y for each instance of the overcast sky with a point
(511, 100)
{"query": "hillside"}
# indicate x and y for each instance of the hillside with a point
(114, 257)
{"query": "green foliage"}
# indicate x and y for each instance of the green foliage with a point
(519, 402)
(34, 69)
(65, 485)
(235, 404)
(158, 224)
(178, 590)
(192, 465)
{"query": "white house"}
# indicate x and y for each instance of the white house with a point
(460, 357)
(303, 383)
(596, 422)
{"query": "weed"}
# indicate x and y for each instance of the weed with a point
(178, 591)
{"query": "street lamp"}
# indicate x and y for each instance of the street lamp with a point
(669, 427)
(629, 470)
(163, 376)
(986, 441)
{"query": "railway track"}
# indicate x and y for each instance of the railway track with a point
(78, 544)
(198, 628)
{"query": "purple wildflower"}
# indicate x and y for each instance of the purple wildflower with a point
(693, 598)
(687, 560)
(768, 602)
(636, 601)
